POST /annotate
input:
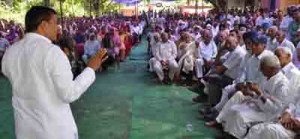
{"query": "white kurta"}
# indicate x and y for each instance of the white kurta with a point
(233, 62)
(153, 60)
(188, 54)
(288, 44)
(271, 130)
(43, 87)
(255, 75)
(241, 112)
(204, 52)
(272, 44)
(228, 90)
(166, 52)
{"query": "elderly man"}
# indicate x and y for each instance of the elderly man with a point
(206, 52)
(91, 47)
(272, 42)
(153, 48)
(224, 73)
(250, 72)
(256, 104)
(283, 42)
(263, 18)
(186, 57)
(166, 54)
(287, 127)
(281, 129)
(229, 90)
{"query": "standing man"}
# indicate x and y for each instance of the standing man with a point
(42, 80)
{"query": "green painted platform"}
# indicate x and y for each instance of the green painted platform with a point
(125, 104)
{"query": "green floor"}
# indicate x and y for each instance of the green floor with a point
(126, 104)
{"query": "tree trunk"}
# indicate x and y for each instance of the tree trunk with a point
(96, 7)
(47, 3)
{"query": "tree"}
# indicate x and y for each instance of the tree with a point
(47, 3)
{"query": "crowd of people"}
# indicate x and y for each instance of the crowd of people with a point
(82, 37)
(245, 66)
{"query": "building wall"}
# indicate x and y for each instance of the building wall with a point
(285, 3)
(280, 4)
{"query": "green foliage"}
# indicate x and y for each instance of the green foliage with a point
(18, 9)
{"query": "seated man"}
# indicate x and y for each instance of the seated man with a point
(206, 52)
(153, 47)
(285, 127)
(256, 104)
(165, 55)
(91, 47)
(283, 42)
(224, 73)
(186, 56)
(272, 42)
(248, 73)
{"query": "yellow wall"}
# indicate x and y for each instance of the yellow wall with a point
(285, 3)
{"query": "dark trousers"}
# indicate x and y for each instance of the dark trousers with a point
(215, 86)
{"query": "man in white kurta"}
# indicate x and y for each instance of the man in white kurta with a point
(279, 129)
(42, 81)
(259, 105)
(283, 42)
(187, 51)
(206, 52)
(224, 73)
(153, 48)
(230, 89)
(272, 42)
(166, 54)
(276, 130)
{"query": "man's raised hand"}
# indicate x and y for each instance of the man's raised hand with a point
(96, 61)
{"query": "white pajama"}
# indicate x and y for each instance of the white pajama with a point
(173, 66)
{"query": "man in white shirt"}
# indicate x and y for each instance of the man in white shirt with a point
(258, 103)
(42, 80)
(166, 54)
(224, 73)
(263, 18)
(250, 73)
(281, 129)
(228, 91)
(206, 52)
(186, 56)
(272, 42)
(91, 48)
(154, 45)
(283, 42)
